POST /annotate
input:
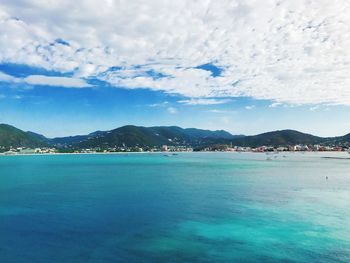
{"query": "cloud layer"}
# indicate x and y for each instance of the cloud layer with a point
(287, 51)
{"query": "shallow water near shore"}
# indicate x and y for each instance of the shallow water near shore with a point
(192, 207)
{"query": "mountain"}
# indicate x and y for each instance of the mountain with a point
(138, 136)
(39, 137)
(11, 136)
(339, 140)
(278, 138)
(70, 140)
(73, 140)
(219, 134)
(131, 136)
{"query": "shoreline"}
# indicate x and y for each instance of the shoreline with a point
(169, 153)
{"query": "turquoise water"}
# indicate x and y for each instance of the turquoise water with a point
(194, 207)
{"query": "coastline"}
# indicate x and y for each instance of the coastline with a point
(175, 152)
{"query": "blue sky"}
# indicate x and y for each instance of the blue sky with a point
(58, 111)
(243, 66)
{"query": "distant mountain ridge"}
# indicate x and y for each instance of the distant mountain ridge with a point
(138, 136)
(145, 136)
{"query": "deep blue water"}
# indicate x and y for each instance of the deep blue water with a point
(194, 207)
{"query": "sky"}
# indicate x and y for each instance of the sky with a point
(245, 66)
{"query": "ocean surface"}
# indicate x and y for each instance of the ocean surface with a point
(192, 207)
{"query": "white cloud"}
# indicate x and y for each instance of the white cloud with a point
(65, 82)
(17, 97)
(56, 81)
(249, 107)
(2, 96)
(222, 111)
(203, 101)
(7, 78)
(172, 110)
(162, 104)
(292, 52)
(217, 111)
(275, 104)
(314, 108)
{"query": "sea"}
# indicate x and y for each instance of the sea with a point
(189, 207)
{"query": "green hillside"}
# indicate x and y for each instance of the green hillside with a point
(13, 137)
(153, 136)
(278, 138)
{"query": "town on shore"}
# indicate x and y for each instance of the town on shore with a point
(167, 148)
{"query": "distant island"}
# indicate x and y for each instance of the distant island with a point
(165, 138)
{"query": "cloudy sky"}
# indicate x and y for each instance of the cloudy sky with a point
(247, 66)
